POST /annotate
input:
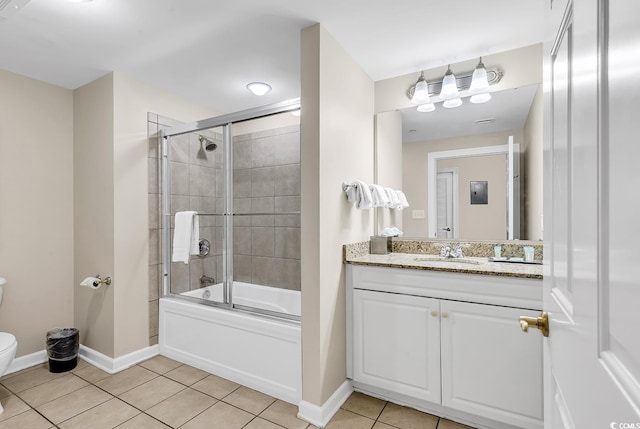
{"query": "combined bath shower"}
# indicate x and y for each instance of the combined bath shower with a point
(208, 144)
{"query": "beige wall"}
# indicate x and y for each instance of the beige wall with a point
(533, 170)
(521, 67)
(481, 221)
(132, 101)
(336, 146)
(414, 171)
(93, 212)
(388, 164)
(36, 209)
(111, 207)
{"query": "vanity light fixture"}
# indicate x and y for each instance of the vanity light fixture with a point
(259, 88)
(479, 88)
(456, 84)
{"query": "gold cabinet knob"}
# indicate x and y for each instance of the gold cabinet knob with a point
(541, 323)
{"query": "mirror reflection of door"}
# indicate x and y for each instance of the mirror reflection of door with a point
(447, 201)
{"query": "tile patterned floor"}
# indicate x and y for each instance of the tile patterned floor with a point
(161, 393)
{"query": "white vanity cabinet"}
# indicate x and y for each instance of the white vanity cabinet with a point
(394, 337)
(447, 343)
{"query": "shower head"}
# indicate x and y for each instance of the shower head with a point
(208, 144)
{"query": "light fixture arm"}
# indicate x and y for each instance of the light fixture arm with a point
(463, 81)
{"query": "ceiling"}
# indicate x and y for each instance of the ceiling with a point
(508, 108)
(208, 50)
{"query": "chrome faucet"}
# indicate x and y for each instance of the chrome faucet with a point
(448, 252)
(206, 281)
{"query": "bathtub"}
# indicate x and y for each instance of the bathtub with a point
(249, 295)
(263, 353)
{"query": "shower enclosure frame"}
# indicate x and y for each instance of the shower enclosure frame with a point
(226, 122)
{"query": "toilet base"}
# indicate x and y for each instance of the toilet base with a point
(62, 365)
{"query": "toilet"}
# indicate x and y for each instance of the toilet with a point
(8, 346)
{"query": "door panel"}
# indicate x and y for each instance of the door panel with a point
(397, 343)
(488, 367)
(621, 92)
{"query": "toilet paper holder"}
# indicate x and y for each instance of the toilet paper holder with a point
(100, 281)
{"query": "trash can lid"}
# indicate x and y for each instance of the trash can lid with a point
(6, 341)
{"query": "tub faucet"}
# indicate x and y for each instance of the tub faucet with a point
(447, 252)
(205, 280)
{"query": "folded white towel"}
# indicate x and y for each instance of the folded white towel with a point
(380, 198)
(186, 236)
(391, 232)
(360, 195)
(403, 200)
(393, 197)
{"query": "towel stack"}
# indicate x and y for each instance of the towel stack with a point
(366, 196)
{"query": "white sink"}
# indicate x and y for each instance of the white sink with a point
(447, 260)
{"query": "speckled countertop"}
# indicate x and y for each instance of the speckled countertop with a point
(415, 255)
(473, 265)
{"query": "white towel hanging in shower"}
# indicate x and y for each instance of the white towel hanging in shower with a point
(186, 236)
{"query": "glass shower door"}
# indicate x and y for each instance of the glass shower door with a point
(241, 174)
(266, 214)
(193, 177)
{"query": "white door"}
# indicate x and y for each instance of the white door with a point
(446, 202)
(592, 213)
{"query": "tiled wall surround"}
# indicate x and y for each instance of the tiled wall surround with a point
(266, 169)
(266, 180)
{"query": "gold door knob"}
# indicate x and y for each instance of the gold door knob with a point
(541, 323)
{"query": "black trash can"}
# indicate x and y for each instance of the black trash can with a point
(62, 348)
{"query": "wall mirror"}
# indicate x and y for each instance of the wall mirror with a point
(448, 150)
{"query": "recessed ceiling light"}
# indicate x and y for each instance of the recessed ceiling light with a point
(259, 88)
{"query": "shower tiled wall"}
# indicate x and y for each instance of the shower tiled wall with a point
(266, 170)
(266, 180)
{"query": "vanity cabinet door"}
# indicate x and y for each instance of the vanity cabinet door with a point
(489, 368)
(397, 343)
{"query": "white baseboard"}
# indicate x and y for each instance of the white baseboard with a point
(320, 415)
(27, 361)
(112, 365)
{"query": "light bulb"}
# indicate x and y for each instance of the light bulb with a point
(480, 98)
(454, 102)
(449, 88)
(429, 107)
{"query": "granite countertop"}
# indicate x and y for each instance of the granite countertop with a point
(473, 265)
